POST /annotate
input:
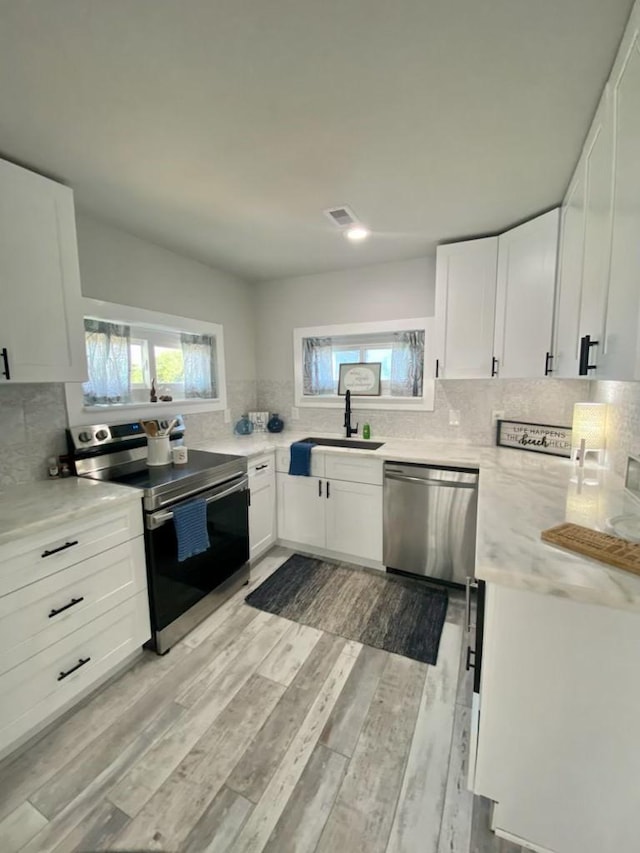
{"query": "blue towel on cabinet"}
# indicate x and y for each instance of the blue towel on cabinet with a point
(190, 520)
(300, 461)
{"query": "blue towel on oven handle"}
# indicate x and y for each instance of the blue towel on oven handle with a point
(190, 521)
(300, 458)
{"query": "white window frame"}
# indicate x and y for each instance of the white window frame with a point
(396, 404)
(78, 413)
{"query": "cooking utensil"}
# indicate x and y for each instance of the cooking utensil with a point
(150, 428)
(169, 428)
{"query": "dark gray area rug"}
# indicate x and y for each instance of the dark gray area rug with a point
(388, 612)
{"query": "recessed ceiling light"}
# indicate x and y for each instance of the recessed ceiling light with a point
(357, 233)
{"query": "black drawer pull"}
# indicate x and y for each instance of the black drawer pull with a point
(548, 370)
(67, 606)
(261, 467)
(470, 652)
(80, 663)
(319, 488)
(585, 355)
(5, 359)
(494, 366)
(61, 548)
(437, 368)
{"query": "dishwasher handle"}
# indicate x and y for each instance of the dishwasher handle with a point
(426, 481)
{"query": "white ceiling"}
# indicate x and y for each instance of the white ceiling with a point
(223, 128)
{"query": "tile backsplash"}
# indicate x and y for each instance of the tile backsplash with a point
(623, 420)
(539, 400)
(33, 419)
(33, 416)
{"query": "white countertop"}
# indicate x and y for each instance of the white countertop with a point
(520, 495)
(27, 509)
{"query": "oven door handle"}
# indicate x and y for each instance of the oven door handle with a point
(157, 519)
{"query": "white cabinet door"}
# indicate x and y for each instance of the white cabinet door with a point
(559, 739)
(301, 509)
(566, 343)
(621, 356)
(41, 324)
(598, 160)
(465, 308)
(262, 511)
(525, 297)
(354, 519)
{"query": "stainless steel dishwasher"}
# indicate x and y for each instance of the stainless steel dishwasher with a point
(430, 520)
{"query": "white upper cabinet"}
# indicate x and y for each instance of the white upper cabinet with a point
(620, 356)
(465, 308)
(41, 324)
(567, 322)
(598, 174)
(525, 296)
(597, 330)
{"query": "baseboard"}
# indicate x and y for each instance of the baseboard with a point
(516, 839)
(309, 551)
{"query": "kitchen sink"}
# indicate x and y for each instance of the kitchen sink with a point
(346, 442)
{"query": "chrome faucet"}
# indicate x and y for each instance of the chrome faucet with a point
(347, 417)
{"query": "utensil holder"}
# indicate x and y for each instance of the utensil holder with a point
(158, 450)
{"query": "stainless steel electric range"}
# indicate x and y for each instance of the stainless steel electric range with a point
(181, 594)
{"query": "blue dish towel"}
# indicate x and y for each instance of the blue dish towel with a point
(300, 460)
(190, 520)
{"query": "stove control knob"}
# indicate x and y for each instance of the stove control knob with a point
(164, 424)
(102, 434)
(84, 437)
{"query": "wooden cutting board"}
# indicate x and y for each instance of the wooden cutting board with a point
(599, 546)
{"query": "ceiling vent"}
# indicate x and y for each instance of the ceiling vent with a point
(342, 217)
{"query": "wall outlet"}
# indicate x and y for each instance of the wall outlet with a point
(227, 416)
(295, 414)
(454, 417)
(497, 415)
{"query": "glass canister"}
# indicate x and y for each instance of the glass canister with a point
(275, 423)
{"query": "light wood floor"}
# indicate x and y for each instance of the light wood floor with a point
(258, 734)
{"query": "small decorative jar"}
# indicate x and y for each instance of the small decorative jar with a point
(244, 426)
(275, 424)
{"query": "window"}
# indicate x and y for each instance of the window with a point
(399, 347)
(128, 349)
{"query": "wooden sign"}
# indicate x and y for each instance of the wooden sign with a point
(539, 438)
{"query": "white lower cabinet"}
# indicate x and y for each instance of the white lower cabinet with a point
(558, 741)
(334, 514)
(262, 510)
(301, 510)
(33, 691)
(353, 519)
(73, 608)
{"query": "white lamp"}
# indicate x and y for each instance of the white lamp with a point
(588, 433)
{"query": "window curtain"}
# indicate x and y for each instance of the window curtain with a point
(407, 364)
(108, 362)
(317, 366)
(199, 368)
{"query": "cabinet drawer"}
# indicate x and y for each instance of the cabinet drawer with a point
(34, 690)
(32, 558)
(36, 616)
(317, 461)
(262, 468)
(355, 469)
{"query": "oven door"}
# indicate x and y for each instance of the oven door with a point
(176, 587)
